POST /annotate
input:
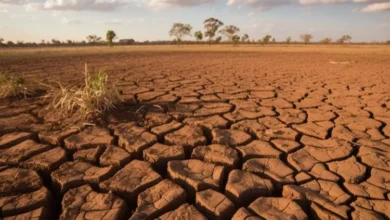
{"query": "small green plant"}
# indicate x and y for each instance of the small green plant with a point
(95, 97)
(13, 86)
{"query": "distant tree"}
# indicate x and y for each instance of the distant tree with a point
(273, 40)
(110, 36)
(92, 39)
(266, 39)
(288, 40)
(43, 42)
(55, 42)
(388, 42)
(180, 30)
(245, 38)
(211, 26)
(10, 43)
(1, 40)
(306, 38)
(127, 41)
(177, 41)
(235, 39)
(326, 40)
(69, 42)
(198, 35)
(20, 43)
(218, 39)
(344, 38)
(229, 31)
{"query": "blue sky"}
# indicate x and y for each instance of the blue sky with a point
(34, 20)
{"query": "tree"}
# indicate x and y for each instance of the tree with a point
(273, 40)
(10, 43)
(229, 31)
(306, 38)
(110, 36)
(344, 38)
(218, 39)
(55, 42)
(93, 39)
(266, 39)
(127, 41)
(235, 39)
(180, 30)
(1, 40)
(288, 40)
(245, 38)
(211, 25)
(326, 40)
(198, 35)
(70, 42)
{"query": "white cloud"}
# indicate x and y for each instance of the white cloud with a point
(260, 4)
(377, 7)
(107, 5)
(13, 2)
(33, 6)
(70, 21)
(180, 3)
(269, 4)
(77, 5)
(111, 5)
(321, 2)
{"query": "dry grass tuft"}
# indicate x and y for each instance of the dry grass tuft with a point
(95, 97)
(13, 86)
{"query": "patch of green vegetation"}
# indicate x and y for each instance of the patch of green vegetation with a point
(11, 86)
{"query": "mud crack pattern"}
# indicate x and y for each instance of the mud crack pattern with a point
(222, 144)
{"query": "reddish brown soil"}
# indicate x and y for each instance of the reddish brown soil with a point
(237, 135)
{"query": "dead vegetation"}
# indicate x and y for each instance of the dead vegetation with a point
(11, 86)
(95, 97)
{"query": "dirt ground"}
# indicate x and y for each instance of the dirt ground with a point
(227, 134)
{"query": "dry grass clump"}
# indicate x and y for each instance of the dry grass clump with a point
(13, 86)
(95, 97)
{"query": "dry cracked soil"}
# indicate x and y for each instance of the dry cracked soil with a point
(224, 136)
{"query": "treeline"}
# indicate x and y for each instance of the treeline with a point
(70, 43)
(214, 31)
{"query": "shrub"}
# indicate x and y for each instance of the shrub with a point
(13, 86)
(95, 97)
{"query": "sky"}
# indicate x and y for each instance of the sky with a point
(36, 20)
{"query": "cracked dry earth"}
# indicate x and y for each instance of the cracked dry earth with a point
(244, 137)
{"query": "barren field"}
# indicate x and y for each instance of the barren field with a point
(227, 133)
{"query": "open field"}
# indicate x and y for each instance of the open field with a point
(50, 51)
(295, 132)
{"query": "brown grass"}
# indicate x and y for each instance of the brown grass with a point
(12, 86)
(94, 98)
(89, 50)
